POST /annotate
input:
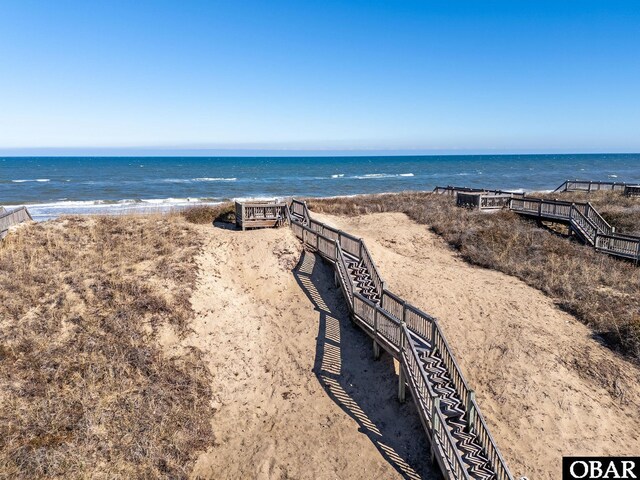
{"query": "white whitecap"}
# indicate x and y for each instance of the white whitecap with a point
(32, 180)
(214, 179)
(382, 175)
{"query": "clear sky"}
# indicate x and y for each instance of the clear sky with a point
(423, 76)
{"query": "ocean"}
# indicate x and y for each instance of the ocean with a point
(51, 186)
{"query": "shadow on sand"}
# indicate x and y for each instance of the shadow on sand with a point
(364, 388)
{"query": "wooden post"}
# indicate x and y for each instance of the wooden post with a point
(471, 396)
(435, 422)
(376, 345)
(402, 394)
(434, 328)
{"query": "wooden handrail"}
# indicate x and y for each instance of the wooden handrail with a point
(574, 185)
(456, 461)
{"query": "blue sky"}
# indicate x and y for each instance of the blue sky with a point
(424, 76)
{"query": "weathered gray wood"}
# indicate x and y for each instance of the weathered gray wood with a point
(13, 217)
(260, 214)
(632, 190)
(584, 221)
(589, 186)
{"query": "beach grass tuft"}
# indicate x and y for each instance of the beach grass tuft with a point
(206, 214)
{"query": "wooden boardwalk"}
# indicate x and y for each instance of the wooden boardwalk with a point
(11, 218)
(583, 220)
(461, 444)
(589, 186)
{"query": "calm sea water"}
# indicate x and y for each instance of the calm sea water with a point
(53, 186)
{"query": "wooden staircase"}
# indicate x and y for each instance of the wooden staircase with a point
(460, 442)
(584, 221)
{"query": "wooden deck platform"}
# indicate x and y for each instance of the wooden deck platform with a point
(265, 214)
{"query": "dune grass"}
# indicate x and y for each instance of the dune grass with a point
(206, 214)
(86, 391)
(601, 291)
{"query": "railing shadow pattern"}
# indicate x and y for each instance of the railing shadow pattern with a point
(360, 387)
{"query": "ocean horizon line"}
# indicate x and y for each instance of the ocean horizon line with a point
(143, 152)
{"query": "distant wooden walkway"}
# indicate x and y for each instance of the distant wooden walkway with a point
(11, 218)
(461, 444)
(582, 219)
(453, 191)
(589, 186)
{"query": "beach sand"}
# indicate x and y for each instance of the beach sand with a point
(298, 394)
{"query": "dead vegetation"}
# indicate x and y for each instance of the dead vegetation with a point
(601, 291)
(204, 214)
(85, 389)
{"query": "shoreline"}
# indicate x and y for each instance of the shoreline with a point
(52, 210)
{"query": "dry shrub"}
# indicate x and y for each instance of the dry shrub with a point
(85, 389)
(204, 214)
(601, 291)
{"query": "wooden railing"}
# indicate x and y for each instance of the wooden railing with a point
(371, 267)
(589, 186)
(392, 322)
(483, 201)
(632, 190)
(453, 191)
(593, 215)
(623, 246)
(585, 227)
(13, 217)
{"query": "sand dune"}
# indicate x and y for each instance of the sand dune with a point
(298, 394)
(539, 375)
